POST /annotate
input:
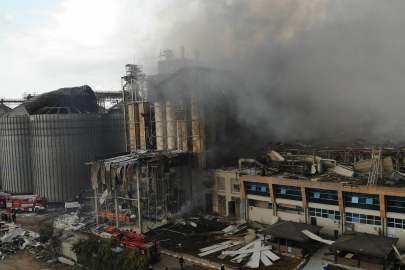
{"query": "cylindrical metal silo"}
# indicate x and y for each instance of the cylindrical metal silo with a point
(15, 159)
(113, 134)
(60, 146)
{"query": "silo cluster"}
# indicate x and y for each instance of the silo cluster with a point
(45, 154)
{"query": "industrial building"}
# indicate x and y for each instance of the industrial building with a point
(173, 144)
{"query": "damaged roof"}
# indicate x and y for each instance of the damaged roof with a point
(143, 156)
(291, 230)
(365, 243)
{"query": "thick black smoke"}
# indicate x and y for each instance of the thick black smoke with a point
(314, 71)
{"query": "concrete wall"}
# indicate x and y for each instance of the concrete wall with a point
(228, 193)
(291, 216)
(261, 215)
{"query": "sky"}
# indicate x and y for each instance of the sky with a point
(328, 66)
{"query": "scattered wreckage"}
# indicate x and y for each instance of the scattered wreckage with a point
(349, 163)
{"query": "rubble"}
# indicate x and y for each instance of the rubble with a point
(73, 221)
(16, 239)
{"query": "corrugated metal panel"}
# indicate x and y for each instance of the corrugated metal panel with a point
(15, 155)
(60, 146)
(18, 111)
(113, 134)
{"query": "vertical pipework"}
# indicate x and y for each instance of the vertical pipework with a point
(127, 147)
(133, 117)
(159, 125)
(171, 126)
(198, 125)
(143, 110)
(138, 194)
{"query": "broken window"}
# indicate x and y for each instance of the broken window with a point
(259, 204)
(235, 185)
(221, 183)
(289, 208)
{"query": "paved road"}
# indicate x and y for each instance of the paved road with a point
(173, 264)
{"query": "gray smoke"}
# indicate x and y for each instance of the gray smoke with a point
(314, 70)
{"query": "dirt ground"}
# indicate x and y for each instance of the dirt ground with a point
(32, 220)
(23, 260)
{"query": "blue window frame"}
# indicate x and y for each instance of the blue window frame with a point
(288, 192)
(323, 196)
(260, 189)
(362, 200)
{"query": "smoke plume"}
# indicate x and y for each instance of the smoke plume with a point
(314, 71)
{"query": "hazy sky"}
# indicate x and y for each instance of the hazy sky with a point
(344, 57)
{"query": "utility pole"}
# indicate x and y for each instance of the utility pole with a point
(138, 193)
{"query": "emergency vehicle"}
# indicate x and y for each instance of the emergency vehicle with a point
(30, 204)
(131, 241)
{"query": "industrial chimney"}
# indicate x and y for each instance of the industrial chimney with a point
(182, 51)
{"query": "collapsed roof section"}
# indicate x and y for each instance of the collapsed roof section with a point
(119, 170)
(66, 100)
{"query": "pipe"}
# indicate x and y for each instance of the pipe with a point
(138, 193)
(245, 160)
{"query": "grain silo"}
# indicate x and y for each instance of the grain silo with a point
(46, 142)
(60, 146)
(113, 130)
(15, 159)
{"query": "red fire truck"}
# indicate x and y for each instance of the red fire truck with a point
(129, 240)
(26, 205)
(3, 201)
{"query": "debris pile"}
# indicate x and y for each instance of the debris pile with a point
(354, 166)
(74, 221)
(249, 246)
(16, 239)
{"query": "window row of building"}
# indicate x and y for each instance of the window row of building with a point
(330, 197)
(333, 214)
